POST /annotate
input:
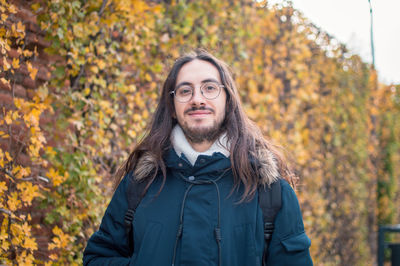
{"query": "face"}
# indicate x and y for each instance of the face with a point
(200, 118)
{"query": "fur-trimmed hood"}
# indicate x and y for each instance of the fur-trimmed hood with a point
(264, 160)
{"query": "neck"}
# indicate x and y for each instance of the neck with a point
(201, 147)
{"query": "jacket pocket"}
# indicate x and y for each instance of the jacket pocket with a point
(296, 243)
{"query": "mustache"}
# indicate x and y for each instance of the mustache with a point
(194, 108)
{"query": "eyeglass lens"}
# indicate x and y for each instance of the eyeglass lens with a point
(208, 90)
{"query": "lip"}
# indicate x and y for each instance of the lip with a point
(199, 113)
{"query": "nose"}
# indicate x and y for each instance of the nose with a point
(197, 98)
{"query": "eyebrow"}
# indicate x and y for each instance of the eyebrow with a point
(191, 84)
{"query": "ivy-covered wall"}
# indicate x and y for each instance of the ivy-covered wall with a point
(79, 81)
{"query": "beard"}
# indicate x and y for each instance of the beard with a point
(199, 135)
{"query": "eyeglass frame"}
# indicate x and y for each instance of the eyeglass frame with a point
(201, 90)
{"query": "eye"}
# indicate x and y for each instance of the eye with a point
(184, 91)
(210, 87)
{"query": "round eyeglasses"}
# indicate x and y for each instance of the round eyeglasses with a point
(184, 93)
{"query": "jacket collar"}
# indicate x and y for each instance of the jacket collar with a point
(264, 160)
(183, 147)
(204, 165)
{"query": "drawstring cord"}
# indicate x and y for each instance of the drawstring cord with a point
(217, 230)
(180, 227)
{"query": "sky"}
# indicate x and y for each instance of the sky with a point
(349, 22)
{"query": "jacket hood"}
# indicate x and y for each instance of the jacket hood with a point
(264, 160)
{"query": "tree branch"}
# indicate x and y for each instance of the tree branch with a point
(5, 211)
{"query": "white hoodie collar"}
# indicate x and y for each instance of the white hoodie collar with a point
(182, 146)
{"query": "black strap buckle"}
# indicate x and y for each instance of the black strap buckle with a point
(128, 219)
(268, 230)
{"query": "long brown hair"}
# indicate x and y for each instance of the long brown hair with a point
(244, 136)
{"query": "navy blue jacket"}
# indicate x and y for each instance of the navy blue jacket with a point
(157, 220)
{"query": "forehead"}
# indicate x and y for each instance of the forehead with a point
(196, 71)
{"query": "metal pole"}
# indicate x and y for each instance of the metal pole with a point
(381, 243)
(372, 35)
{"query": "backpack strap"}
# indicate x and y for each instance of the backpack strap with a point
(270, 203)
(134, 195)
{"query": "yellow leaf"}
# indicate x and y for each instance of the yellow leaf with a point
(54, 17)
(8, 157)
(35, 6)
(101, 64)
(25, 258)
(132, 88)
(5, 82)
(60, 240)
(32, 71)
(21, 172)
(52, 256)
(5, 245)
(252, 85)
(6, 65)
(8, 118)
(139, 100)
(16, 169)
(32, 118)
(13, 202)
(50, 151)
(57, 231)
(132, 133)
(86, 91)
(20, 103)
(27, 53)
(20, 27)
(52, 246)
(145, 114)
(15, 115)
(4, 229)
(101, 49)
(30, 243)
(4, 17)
(3, 187)
(15, 63)
(94, 69)
(28, 191)
(55, 177)
(12, 9)
(328, 137)
(136, 117)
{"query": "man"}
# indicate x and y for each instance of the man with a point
(202, 162)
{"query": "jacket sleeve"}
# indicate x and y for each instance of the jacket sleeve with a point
(109, 245)
(289, 244)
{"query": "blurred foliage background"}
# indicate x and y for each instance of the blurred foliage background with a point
(324, 105)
